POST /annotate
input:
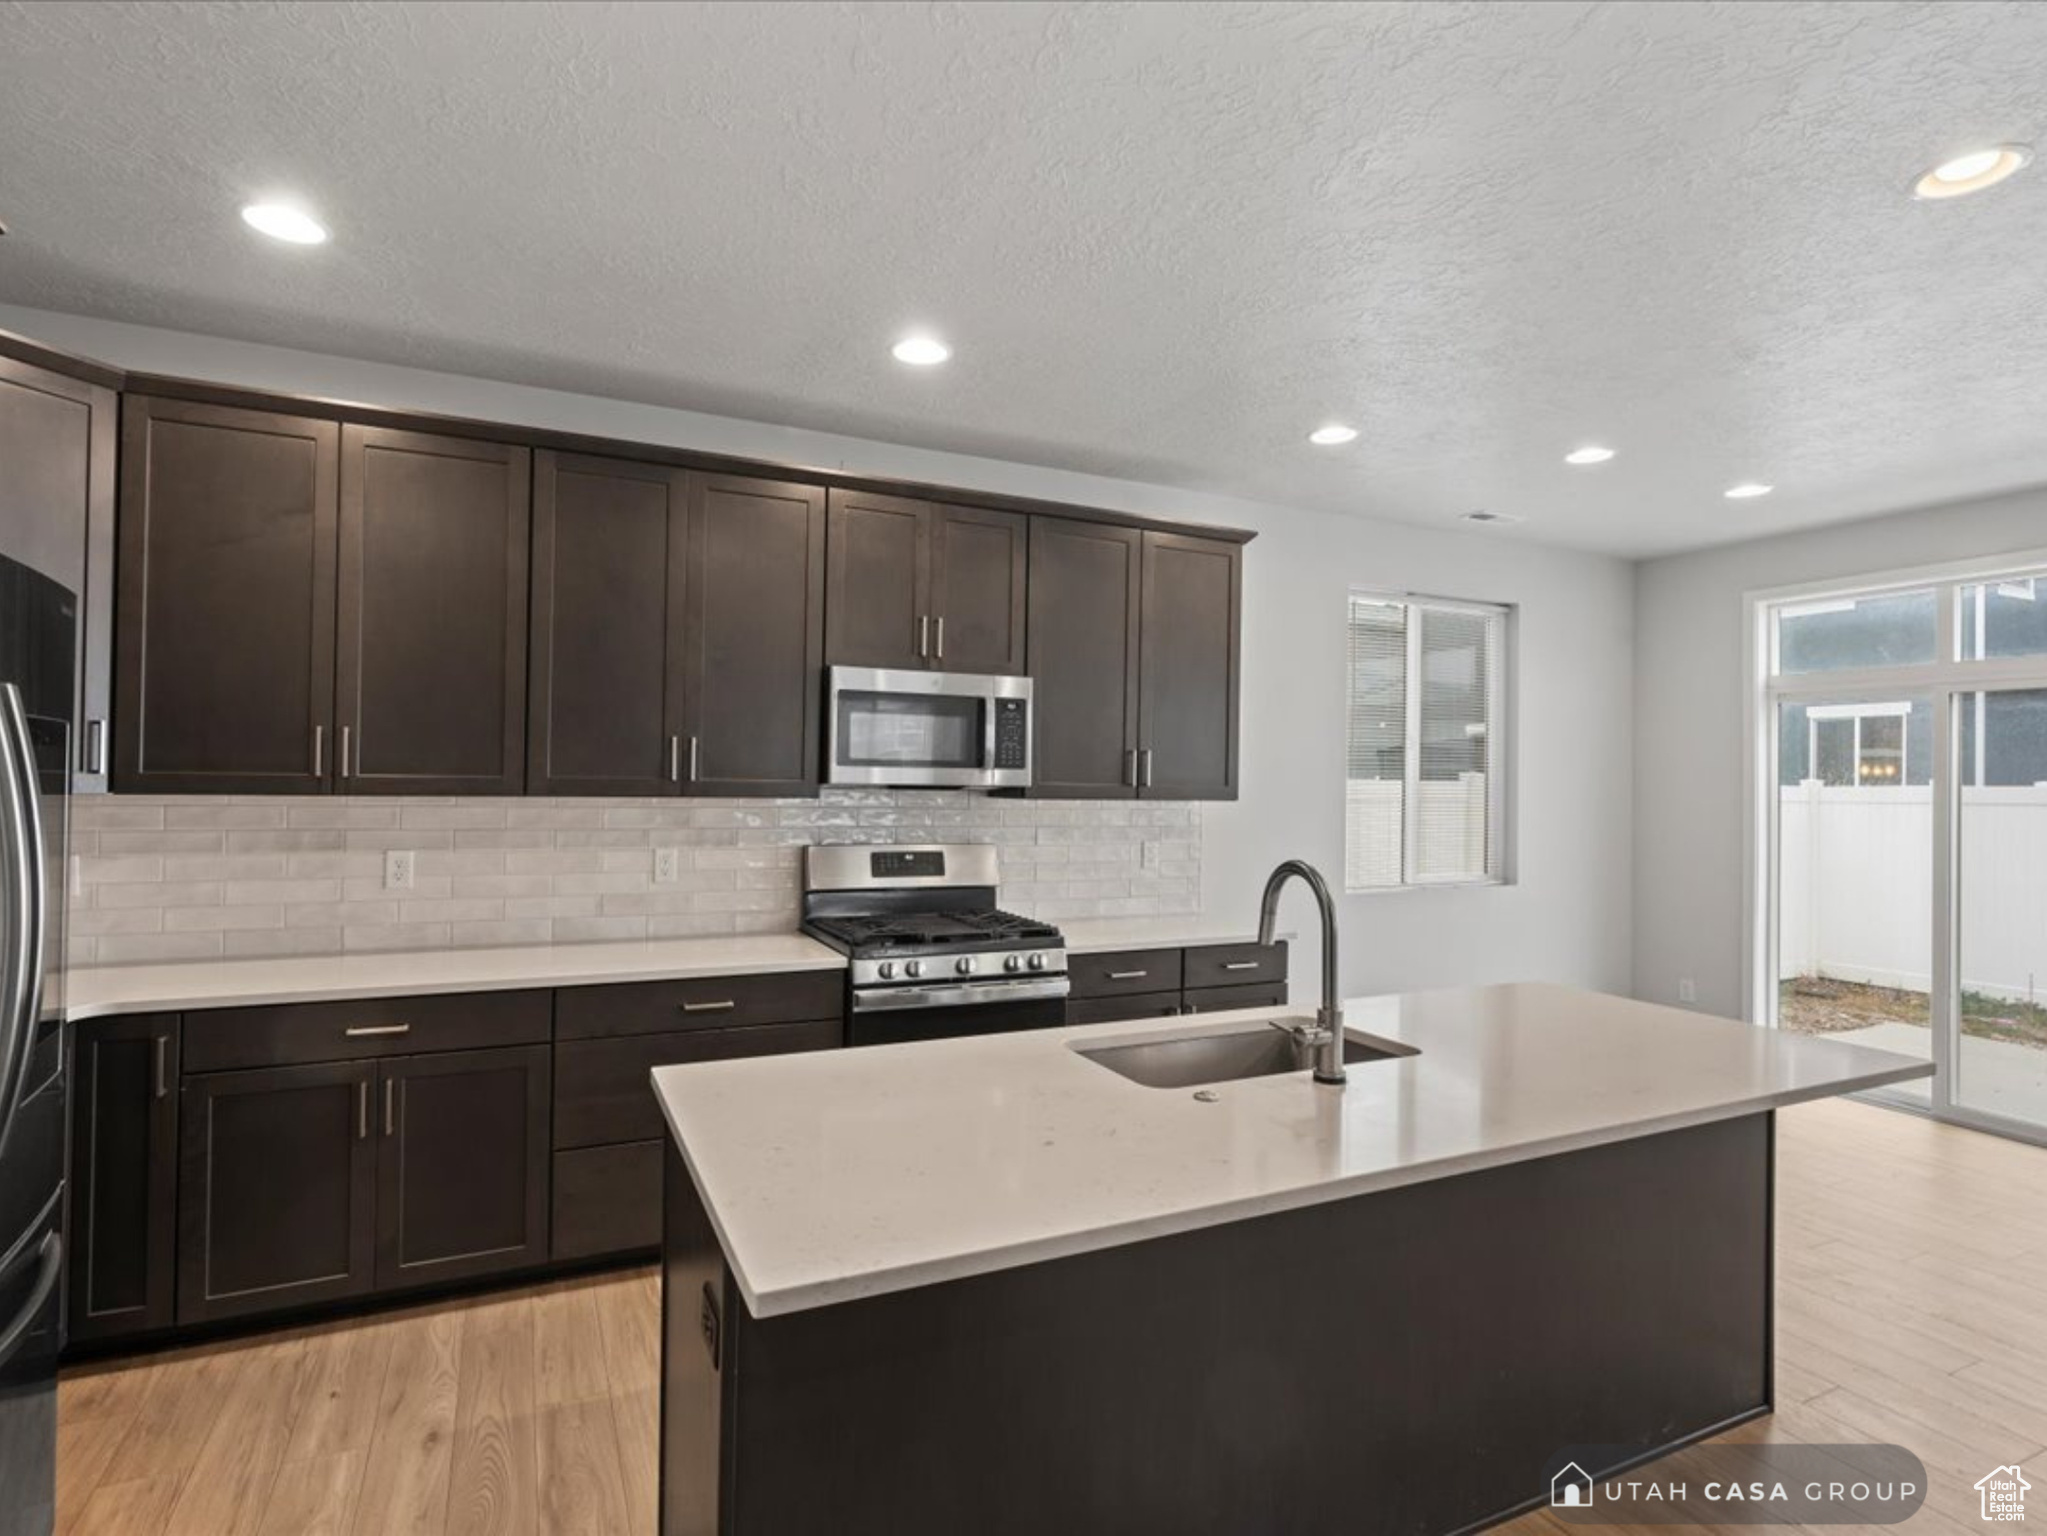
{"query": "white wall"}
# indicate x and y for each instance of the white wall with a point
(1568, 918)
(1689, 698)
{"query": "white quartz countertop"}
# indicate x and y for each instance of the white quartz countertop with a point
(1094, 934)
(97, 992)
(244, 983)
(843, 1174)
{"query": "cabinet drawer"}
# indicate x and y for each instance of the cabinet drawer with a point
(1218, 999)
(607, 1200)
(601, 1092)
(1235, 965)
(705, 1002)
(1108, 1010)
(1116, 973)
(230, 1039)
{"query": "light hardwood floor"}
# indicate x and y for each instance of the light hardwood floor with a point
(1911, 1308)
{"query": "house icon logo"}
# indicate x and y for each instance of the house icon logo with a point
(1572, 1488)
(2004, 1495)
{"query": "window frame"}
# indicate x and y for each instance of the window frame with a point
(1500, 736)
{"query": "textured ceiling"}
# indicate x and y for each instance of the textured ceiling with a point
(1166, 240)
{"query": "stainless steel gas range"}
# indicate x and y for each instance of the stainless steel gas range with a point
(932, 955)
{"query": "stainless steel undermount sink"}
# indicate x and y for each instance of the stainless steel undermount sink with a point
(1264, 1050)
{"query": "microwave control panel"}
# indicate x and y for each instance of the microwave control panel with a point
(1012, 733)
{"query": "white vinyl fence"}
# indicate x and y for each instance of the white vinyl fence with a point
(1855, 887)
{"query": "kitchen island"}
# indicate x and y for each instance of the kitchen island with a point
(992, 1285)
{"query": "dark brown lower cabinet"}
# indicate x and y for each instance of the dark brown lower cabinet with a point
(462, 1163)
(1222, 999)
(607, 1200)
(277, 1188)
(1111, 985)
(1108, 1010)
(124, 1171)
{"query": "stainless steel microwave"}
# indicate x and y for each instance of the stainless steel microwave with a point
(951, 730)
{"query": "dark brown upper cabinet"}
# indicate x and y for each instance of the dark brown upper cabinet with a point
(609, 542)
(225, 675)
(1134, 640)
(916, 584)
(431, 658)
(1086, 585)
(1188, 668)
(753, 650)
(57, 443)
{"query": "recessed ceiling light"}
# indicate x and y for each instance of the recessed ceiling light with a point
(921, 351)
(1748, 490)
(281, 221)
(1332, 434)
(1972, 172)
(1591, 453)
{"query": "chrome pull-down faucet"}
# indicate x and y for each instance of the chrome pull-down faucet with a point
(1327, 1036)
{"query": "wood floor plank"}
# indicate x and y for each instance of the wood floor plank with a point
(638, 1418)
(405, 1475)
(630, 1318)
(493, 1486)
(184, 1397)
(228, 1487)
(84, 1448)
(135, 1507)
(314, 1497)
(345, 1366)
(568, 1344)
(582, 1486)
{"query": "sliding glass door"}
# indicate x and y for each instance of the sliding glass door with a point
(1902, 832)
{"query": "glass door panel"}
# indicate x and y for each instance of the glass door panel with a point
(1854, 873)
(2001, 905)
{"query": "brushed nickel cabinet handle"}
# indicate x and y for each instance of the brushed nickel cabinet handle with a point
(726, 1006)
(163, 1076)
(923, 634)
(695, 759)
(1130, 768)
(95, 746)
(341, 764)
(1147, 768)
(1241, 965)
(362, 1110)
(675, 759)
(390, 1116)
(1128, 975)
(358, 1031)
(319, 751)
(939, 630)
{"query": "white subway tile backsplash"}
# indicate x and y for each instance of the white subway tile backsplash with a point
(194, 877)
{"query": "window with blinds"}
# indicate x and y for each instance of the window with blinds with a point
(1425, 787)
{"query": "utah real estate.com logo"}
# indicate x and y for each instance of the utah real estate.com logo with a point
(2004, 1495)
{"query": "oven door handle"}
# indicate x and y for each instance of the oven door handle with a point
(881, 999)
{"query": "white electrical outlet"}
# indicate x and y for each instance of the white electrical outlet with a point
(667, 866)
(398, 869)
(1687, 990)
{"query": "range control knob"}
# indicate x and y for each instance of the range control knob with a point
(914, 968)
(888, 969)
(1013, 963)
(964, 965)
(1037, 962)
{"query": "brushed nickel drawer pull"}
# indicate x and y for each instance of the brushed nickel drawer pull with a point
(1241, 965)
(720, 1007)
(357, 1031)
(163, 1079)
(1128, 975)
(390, 1119)
(362, 1110)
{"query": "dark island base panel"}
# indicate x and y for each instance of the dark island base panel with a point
(1409, 1361)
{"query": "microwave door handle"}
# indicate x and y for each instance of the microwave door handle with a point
(988, 713)
(21, 865)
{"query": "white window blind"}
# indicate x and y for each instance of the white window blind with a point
(1424, 791)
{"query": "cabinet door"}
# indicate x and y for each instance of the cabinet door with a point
(277, 1189)
(432, 664)
(608, 542)
(1187, 699)
(878, 607)
(462, 1161)
(978, 560)
(225, 614)
(124, 1173)
(57, 437)
(753, 669)
(1113, 1010)
(1084, 590)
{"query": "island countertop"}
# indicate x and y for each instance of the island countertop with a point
(843, 1174)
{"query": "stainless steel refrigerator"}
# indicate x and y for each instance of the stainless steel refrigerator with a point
(38, 630)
